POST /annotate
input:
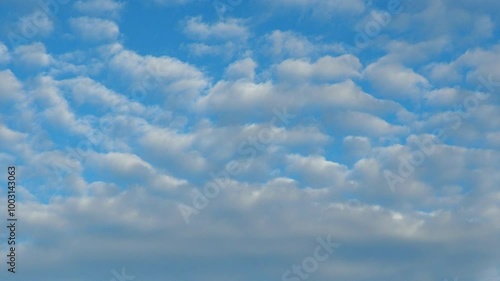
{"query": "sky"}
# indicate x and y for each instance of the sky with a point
(218, 140)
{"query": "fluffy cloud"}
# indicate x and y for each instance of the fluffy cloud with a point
(94, 29)
(4, 54)
(243, 96)
(34, 55)
(262, 132)
(324, 7)
(364, 124)
(261, 216)
(318, 172)
(39, 23)
(10, 87)
(88, 91)
(231, 29)
(288, 44)
(102, 8)
(425, 19)
(225, 38)
(148, 75)
(129, 168)
(243, 69)
(395, 80)
(325, 68)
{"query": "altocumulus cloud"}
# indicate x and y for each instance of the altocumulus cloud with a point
(122, 115)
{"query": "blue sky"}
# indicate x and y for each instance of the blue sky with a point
(252, 140)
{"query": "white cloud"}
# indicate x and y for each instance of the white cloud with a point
(147, 75)
(76, 63)
(483, 61)
(494, 138)
(4, 54)
(10, 137)
(363, 124)
(356, 147)
(179, 156)
(241, 95)
(94, 29)
(230, 29)
(288, 44)
(395, 81)
(416, 53)
(35, 24)
(324, 69)
(99, 7)
(318, 171)
(10, 87)
(55, 109)
(260, 215)
(209, 137)
(34, 55)
(472, 23)
(225, 39)
(477, 66)
(225, 50)
(322, 173)
(484, 27)
(443, 73)
(325, 8)
(239, 99)
(447, 97)
(86, 90)
(244, 68)
(130, 168)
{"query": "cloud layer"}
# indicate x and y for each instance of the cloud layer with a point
(243, 136)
